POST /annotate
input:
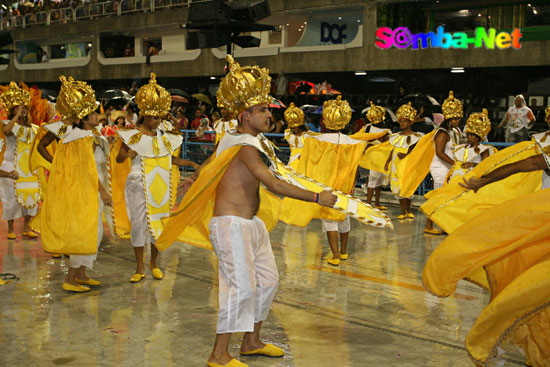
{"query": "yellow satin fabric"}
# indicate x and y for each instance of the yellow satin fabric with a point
(3, 150)
(368, 136)
(375, 157)
(157, 191)
(118, 173)
(412, 169)
(70, 208)
(511, 242)
(39, 164)
(27, 186)
(189, 224)
(334, 165)
(452, 205)
(175, 180)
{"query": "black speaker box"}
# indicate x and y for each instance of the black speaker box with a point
(206, 39)
(250, 10)
(208, 11)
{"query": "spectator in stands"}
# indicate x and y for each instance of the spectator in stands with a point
(128, 51)
(199, 115)
(151, 51)
(131, 117)
(119, 119)
(518, 120)
(203, 128)
(134, 89)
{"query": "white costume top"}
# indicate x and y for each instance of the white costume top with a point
(543, 139)
(454, 139)
(373, 129)
(59, 129)
(226, 126)
(465, 153)
(335, 138)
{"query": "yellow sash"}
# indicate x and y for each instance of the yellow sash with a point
(69, 213)
(375, 157)
(27, 186)
(118, 172)
(157, 182)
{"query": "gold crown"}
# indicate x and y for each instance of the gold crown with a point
(15, 96)
(376, 114)
(76, 99)
(547, 114)
(336, 113)
(152, 99)
(452, 107)
(406, 111)
(243, 87)
(479, 124)
(294, 116)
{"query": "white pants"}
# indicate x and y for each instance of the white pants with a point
(10, 207)
(333, 226)
(545, 181)
(136, 208)
(88, 260)
(248, 275)
(439, 173)
(376, 179)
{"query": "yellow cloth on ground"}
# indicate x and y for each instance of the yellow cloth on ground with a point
(452, 205)
(511, 241)
(333, 165)
(189, 224)
(412, 169)
(118, 172)
(71, 203)
(375, 157)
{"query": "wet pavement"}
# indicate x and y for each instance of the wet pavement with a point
(370, 311)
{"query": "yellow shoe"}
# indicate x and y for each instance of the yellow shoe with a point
(57, 256)
(157, 273)
(402, 216)
(75, 288)
(432, 231)
(136, 278)
(90, 281)
(343, 256)
(269, 350)
(30, 234)
(11, 236)
(410, 215)
(381, 207)
(334, 262)
(231, 363)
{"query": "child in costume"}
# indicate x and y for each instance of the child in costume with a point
(66, 227)
(20, 196)
(148, 185)
(377, 180)
(295, 134)
(446, 137)
(467, 156)
(403, 143)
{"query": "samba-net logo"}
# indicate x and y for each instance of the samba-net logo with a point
(403, 38)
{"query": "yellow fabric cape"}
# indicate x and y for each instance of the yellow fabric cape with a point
(189, 224)
(38, 164)
(70, 208)
(412, 169)
(334, 165)
(3, 150)
(452, 205)
(118, 172)
(375, 157)
(511, 242)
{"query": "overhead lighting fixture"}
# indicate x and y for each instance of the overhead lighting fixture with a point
(339, 18)
(478, 14)
(535, 11)
(213, 78)
(457, 70)
(358, 20)
(360, 73)
(4, 6)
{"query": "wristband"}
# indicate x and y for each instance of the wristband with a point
(316, 197)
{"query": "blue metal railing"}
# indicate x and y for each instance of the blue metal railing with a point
(198, 150)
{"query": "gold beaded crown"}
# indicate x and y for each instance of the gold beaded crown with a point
(76, 99)
(243, 87)
(547, 114)
(336, 113)
(406, 111)
(152, 99)
(294, 116)
(376, 114)
(452, 107)
(479, 124)
(15, 96)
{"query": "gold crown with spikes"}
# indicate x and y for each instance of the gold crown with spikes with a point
(406, 111)
(376, 114)
(452, 107)
(547, 114)
(15, 96)
(243, 87)
(479, 124)
(336, 113)
(76, 99)
(152, 99)
(294, 116)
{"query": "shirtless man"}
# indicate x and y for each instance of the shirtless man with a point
(248, 275)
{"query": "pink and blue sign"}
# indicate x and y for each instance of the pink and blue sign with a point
(489, 38)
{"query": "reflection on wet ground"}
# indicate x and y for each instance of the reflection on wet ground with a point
(370, 311)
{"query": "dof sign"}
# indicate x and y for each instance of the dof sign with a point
(333, 33)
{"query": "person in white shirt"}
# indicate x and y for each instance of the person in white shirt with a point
(518, 120)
